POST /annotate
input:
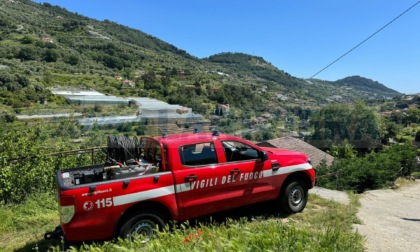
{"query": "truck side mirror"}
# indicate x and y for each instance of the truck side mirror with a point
(264, 156)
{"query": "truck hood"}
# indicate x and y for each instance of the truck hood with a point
(277, 151)
(286, 157)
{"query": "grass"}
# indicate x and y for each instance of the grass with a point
(22, 227)
(323, 226)
(402, 182)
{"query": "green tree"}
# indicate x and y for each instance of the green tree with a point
(360, 125)
(27, 53)
(413, 116)
(344, 150)
(24, 168)
(390, 130)
(51, 55)
(197, 87)
(149, 79)
(71, 59)
(331, 122)
(27, 40)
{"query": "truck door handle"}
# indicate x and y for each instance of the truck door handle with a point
(275, 167)
(191, 178)
(235, 171)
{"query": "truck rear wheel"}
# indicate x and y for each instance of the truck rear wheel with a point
(141, 226)
(294, 197)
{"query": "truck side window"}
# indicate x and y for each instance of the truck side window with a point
(198, 154)
(151, 152)
(237, 151)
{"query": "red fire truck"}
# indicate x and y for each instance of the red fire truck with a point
(146, 183)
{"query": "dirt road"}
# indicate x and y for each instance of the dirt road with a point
(391, 219)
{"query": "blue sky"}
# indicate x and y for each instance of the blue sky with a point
(299, 37)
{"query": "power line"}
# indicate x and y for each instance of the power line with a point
(352, 49)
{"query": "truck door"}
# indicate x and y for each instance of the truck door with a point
(254, 175)
(203, 185)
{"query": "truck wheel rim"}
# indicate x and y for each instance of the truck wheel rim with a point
(296, 196)
(142, 230)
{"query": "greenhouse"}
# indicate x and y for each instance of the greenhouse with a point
(150, 111)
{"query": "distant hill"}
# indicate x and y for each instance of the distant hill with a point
(43, 46)
(245, 64)
(367, 85)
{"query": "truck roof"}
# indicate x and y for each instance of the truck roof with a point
(186, 138)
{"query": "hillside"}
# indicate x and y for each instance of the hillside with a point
(43, 46)
(366, 85)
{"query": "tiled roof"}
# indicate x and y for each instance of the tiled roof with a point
(291, 143)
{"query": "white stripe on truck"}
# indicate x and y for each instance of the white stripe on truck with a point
(290, 169)
(144, 195)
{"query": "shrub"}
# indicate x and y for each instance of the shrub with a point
(375, 170)
(25, 165)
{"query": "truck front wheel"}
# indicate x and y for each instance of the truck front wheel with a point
(141, 226)
(294, 197)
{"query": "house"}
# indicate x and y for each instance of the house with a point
(266, 115)
(223, 109)
(290, 143)
(183, 110)
(281, 97)
(47, 40)
(129, 83)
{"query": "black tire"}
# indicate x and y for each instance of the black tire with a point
(294, 197)
(142, 225)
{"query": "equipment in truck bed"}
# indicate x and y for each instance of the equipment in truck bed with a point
(123, 160)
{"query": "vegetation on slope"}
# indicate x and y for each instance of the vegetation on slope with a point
(43, 45)
(365, 84)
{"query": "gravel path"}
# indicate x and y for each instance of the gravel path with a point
(391, 219)
(325, 193)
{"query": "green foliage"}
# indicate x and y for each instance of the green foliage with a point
(17, 90)
(27, 53)
(26, 166)
(374, 171)
(411, 116)
(244, 63)
(360, 125)
(27, 39)
(51, 55)
(365, 85)
(7, 118)
(67, 128)
(19, 178)
(344, 150)
(260, 136)
(390, 130)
